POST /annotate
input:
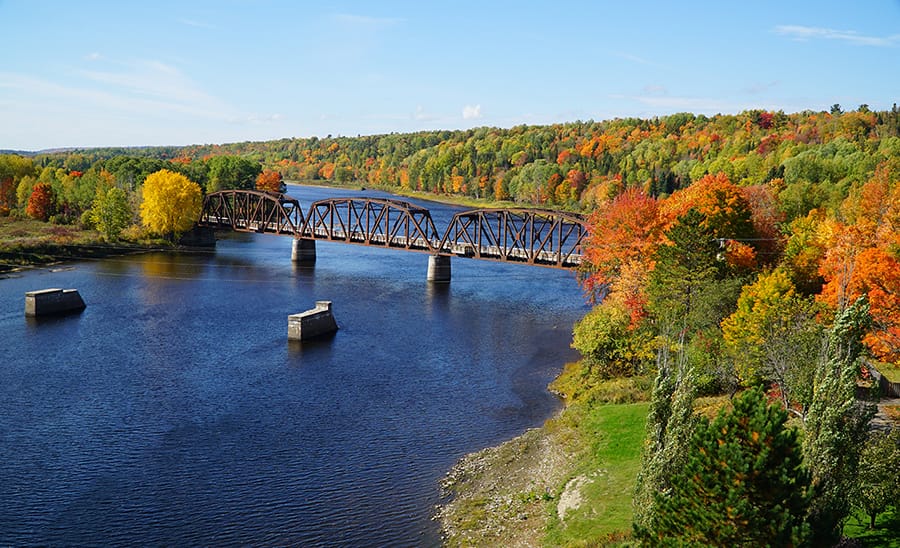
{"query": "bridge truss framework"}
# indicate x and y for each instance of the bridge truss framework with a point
(530, 236)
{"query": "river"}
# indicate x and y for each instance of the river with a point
(173, 410)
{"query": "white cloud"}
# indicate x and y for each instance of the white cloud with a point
(803, 33)
(141, 89)
(364, 21)
(655, 89)
(667, 103)
(760, 87)
(257, 119)
(196, 24)
(633, 58)
(470, 112)
(421, 115)
(157, 85)
(94, 56)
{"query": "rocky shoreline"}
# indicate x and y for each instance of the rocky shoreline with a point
(499, 495)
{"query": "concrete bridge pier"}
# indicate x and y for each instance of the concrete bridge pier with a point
(303, 251)
(439, 269)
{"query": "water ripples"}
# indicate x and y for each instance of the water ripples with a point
(172, 411)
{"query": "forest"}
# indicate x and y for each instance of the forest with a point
(729, 252)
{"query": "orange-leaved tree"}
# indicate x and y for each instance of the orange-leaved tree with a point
(726, 211)
(171, 203)
(269, 180)
(620, 231)
(40, 203)
(863, 258)
(727, 216)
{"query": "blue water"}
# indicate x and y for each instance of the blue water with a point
(173, 410)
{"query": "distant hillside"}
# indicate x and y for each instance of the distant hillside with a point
(577, 165)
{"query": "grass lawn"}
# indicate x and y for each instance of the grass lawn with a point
(886, 532)
(615, 434)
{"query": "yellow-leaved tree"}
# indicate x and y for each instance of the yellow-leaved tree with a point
(171, 203)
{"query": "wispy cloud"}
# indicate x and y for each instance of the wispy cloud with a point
(196, 24)
(760, 87)
(365, 21)
(256, 119)
(674, 103)
(803, 33)
(471, 112)
(153, 79)
(141, 88)
(422, 116)
(633, 58)
(655, 89)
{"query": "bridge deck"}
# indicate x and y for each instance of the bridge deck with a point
(530, 236)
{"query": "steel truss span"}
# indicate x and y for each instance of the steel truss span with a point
(252, 211)
(531, 236)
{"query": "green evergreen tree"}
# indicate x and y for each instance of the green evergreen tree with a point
(670, 425)
(743, 485)
(836, 426)
(686, 268)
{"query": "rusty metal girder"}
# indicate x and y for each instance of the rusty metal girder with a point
(372, 222)
(252, 211)
(531, 236)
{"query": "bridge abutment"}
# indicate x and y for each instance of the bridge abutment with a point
(438, 269)
(303, 251)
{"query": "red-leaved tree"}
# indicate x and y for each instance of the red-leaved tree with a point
(40, 203)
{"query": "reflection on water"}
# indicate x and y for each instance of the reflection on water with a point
(173, 410)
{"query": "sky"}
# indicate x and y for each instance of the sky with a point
(127, 73)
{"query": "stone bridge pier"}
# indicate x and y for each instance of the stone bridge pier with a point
(438, 269)
(303, 251)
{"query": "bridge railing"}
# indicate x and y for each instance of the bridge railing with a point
(531, 236)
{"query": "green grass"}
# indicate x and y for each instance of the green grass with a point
(614, 435)
(890, 371)
(885, 534)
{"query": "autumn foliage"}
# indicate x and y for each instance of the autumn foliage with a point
(269, 180)
(624, 230)
(40, 203)
(171, 202)
(862, 258)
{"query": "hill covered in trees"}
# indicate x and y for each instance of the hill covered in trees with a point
(578, 165)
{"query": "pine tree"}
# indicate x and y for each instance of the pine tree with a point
(743, 484)
(836, 426)
(670, 425)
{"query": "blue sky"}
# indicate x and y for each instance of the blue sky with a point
(123, 73)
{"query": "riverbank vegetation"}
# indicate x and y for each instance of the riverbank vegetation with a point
(27, 242)
(725, 254)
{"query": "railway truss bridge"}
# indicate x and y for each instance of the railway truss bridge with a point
(528, 236)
